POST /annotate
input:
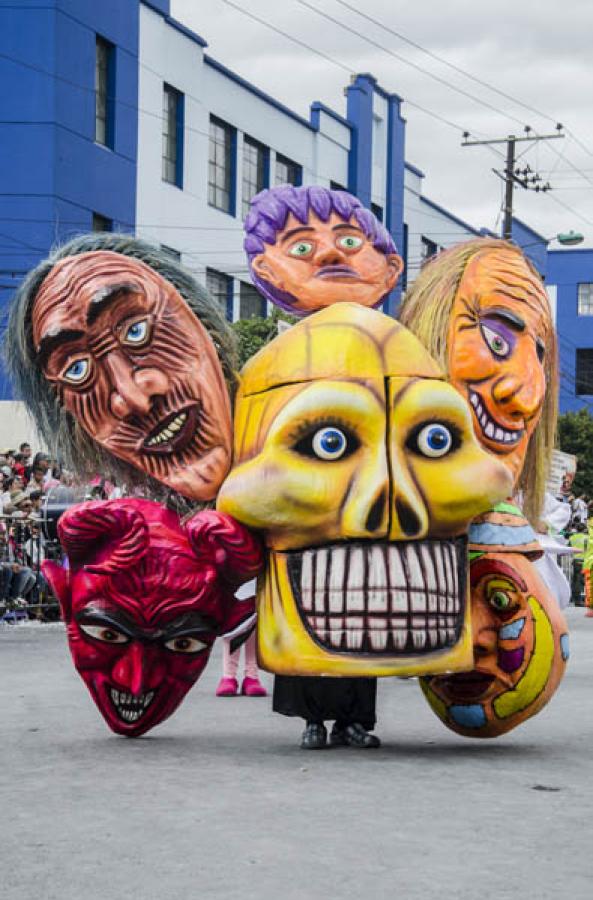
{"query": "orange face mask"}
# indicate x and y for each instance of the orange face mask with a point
(498, 338)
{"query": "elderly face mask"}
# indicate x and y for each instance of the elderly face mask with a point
(136, 369)
(358, 462)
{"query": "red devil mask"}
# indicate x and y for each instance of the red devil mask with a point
(144, 600)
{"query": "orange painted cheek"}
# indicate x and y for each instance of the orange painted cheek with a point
(470, 360)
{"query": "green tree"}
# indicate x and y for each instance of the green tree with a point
(575, 435)
(253, 334)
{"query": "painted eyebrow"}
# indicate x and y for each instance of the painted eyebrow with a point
(55, 339)
(294, 231)
(106, 297)
(497, 312)
(101, 616)
(345, 227)
(183, 625)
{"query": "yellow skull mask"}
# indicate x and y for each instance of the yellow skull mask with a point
(358, 462)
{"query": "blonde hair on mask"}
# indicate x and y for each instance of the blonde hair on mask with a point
(426, 310)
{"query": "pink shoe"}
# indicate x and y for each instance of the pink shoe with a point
(227, 687)
(252, 687)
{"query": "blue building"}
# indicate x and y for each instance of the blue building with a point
(118, 118)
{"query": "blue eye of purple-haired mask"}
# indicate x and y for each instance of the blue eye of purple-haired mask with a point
(270, 210)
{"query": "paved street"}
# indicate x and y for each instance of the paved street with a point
(219, 802)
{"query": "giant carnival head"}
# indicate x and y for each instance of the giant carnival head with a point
(482, 310)
(358, 462)
(125, 364)
(309, 247)
(144, 599)
(520, 636)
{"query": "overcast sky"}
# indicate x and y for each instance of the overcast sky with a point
(536, 51)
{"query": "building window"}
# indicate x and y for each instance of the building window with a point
(220, 288)
(585, 299)
(251, 303)
(255, 170)
(287, 171)
(377, 211)
(172, 169)
(172, 252)
(102, 223)
(104, 92)
(221, 166)
(584, 372)
(428, 248)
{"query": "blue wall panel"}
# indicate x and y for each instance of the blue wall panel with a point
(566, 269)
(53, 175)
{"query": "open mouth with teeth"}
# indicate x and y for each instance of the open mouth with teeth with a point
(131, 707)
(392, 599)
(490, 428)
(465, 686)
(174, 433)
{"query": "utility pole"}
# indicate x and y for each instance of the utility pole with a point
(511, 176)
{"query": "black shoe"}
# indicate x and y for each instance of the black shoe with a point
(353, 735)
(314, 736)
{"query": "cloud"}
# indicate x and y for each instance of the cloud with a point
(530, 50)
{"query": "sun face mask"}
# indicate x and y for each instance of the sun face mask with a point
(359, 464)
(520, 636)
(498, 339)
(144, 600)
(136, 369)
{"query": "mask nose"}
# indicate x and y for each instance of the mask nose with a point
(138, 670)
(366, 508)
(329, 255)
(133, 391)
(520, 392)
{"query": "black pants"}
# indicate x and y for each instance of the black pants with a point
(319, 699)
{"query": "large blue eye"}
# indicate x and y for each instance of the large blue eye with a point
(136, 333)
(329, 443)
(434, 440)
(77, 372)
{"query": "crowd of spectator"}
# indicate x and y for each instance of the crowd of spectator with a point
(26, 480)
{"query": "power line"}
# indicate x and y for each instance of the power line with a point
(445, 62)
(408, 62)
(331, 59)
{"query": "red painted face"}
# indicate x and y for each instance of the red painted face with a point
(139, 655)
(145, 600)
(136, 369)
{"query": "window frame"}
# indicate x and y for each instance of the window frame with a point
(172, 167)
(226, 307)
(247, 286)
(583, 379)
(107, 136)
(298, 169)
(585, 302)
(262, 166)
(100, 219)
(230, 153)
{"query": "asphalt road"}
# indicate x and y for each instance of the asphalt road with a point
(220, 802)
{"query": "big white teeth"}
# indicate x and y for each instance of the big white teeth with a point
(131, 706)
(169, 432)
(490, 428)
(382, 598)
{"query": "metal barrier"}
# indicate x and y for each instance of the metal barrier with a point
(24, 544)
